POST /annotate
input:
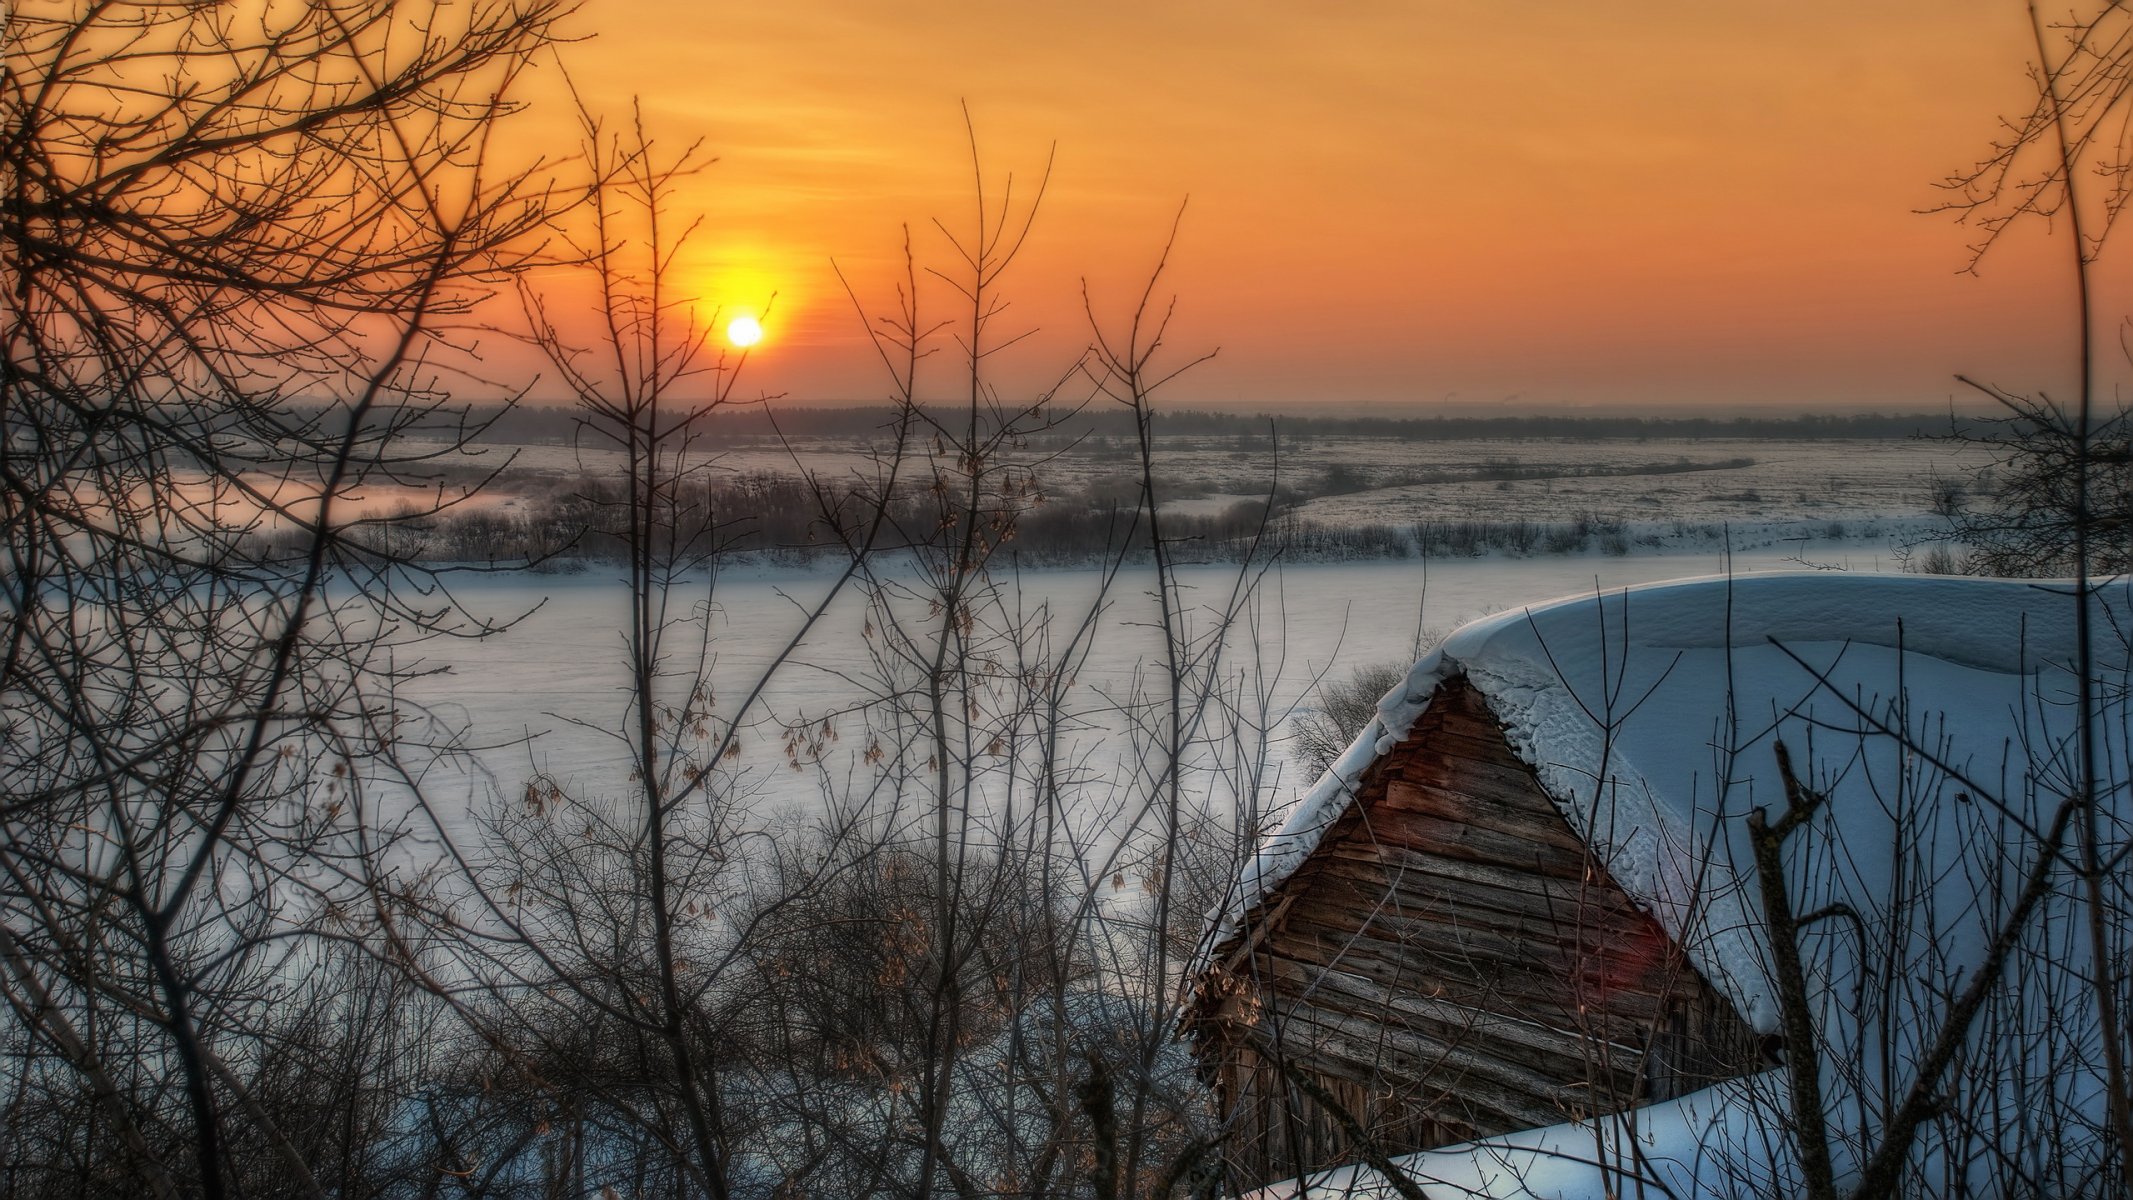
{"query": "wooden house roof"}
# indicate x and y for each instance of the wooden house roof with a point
(1650, 715)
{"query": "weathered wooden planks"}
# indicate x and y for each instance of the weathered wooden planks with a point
(1450, 963)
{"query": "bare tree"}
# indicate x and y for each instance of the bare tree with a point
(232, 247)
(604, 935)
(1047, 820)
(2060, 494)
(1344, 707)
(2065, 504)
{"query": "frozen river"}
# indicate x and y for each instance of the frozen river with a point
(547, 694)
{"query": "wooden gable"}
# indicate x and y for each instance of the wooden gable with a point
(1450, 963)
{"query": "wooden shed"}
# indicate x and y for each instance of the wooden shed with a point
(1449, 962)
(1525, 901)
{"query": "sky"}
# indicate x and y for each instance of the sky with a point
(1435, 205)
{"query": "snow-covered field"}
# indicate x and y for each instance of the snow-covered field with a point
(1739, 480)
(1658, 481)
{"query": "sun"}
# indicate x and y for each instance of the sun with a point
(744, 331)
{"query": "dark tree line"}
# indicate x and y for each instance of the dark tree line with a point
(544, 422)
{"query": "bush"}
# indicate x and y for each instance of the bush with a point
(1318, 737)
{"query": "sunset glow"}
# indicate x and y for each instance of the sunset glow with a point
(744, 331)
(1666, 205)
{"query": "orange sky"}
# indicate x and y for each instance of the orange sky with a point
(1657, 204)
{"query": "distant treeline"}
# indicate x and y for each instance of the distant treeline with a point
(787, 520)
(534, 424)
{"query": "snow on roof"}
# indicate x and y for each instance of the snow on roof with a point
(1632, 687)
(1651, 716)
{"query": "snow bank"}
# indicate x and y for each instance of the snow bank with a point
(1709, 1143)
